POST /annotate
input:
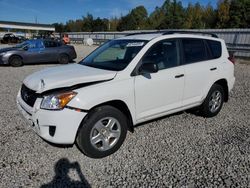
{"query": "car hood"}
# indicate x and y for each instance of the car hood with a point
(10, 49)
(7, 49)
(65, 76)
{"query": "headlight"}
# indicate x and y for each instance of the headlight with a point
(57, 101)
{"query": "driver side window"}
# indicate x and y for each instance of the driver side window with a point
(32, 45)
(163, 53)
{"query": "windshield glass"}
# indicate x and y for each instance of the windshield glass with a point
(114, 55)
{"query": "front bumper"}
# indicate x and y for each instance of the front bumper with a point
(59, 127)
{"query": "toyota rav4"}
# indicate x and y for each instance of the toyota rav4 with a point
(125, 82)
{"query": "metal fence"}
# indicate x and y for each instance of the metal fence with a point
(237, 40)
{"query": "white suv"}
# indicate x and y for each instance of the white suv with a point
(124, 82)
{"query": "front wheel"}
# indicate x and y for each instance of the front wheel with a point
(213, 102)
(102, 132)
(16, 61)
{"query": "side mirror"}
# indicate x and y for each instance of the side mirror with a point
(148, 68)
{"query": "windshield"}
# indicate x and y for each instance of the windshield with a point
(114, 55)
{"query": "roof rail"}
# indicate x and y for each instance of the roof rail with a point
(141, 33)
(189, 32)
(169, 32)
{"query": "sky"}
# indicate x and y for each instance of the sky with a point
(52, 11)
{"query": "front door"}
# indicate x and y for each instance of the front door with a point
(33, 52)
(157, 93)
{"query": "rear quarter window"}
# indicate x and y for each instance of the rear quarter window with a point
(215, 48)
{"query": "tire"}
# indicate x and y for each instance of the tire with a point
(94, 136)
(63, 59)
(16, 61)
(213, 102)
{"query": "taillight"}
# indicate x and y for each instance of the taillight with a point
(232, 59)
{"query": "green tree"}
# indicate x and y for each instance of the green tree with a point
(99, 25)
(197, 21)
(189, 18)
(223, 14)
(178, 15)
(173, 15)
(155, 19)
(87, 23)
(70, 25)
(113, 23)
(59, 27)
(127, 23)
(239, 13)
(209, 16)
(136, 19)
(166, 23)
(140, 16)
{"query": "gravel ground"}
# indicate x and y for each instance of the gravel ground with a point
(181, 150)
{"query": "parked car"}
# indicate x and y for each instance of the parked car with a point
(9, 38)
(125, 82)
(21, 39)
(37, 51)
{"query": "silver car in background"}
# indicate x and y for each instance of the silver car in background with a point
(37, 51)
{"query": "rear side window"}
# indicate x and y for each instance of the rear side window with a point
(50, 44)
(194, 50)
(215, 48)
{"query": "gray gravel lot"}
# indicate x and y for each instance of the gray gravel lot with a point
(181, 150)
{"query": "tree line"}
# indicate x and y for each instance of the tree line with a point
(171, 15)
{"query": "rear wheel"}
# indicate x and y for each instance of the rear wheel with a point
(102, 132)
(213, 102)
(63, 59)
(16, 61)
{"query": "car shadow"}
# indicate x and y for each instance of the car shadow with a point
(62, 178)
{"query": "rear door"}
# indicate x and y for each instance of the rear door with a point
(198, 67)
(50, 51)
(157, 93)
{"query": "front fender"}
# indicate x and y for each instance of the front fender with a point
(91, 96)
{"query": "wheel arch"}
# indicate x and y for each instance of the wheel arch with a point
(64, 53)
(14, 55)
(120, 105)
(224, 84)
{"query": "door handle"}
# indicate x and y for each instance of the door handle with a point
(179, 76)
(214, 68)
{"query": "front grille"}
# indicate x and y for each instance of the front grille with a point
(28, 95)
